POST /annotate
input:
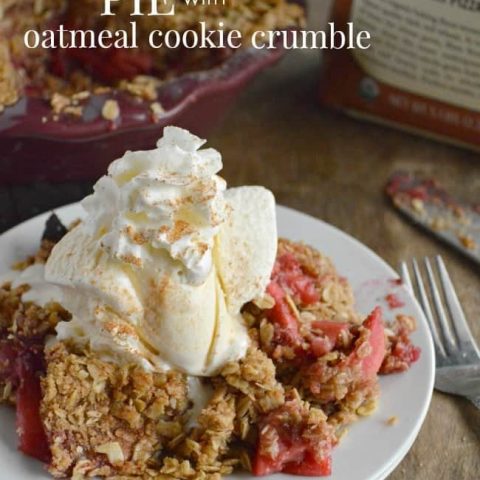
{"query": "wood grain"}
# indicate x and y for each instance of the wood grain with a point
(335, 168)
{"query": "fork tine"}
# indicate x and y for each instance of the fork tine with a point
(405, 274)
(425, 303)
(457, 315)
(442, 316)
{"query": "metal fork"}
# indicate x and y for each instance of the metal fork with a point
(457, 354)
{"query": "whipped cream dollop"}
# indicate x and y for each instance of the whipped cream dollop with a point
(166, 199)
(166, 257)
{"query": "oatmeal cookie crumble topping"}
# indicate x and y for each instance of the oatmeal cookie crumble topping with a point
(106, 420)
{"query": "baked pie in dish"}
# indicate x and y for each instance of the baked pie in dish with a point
(70, 70)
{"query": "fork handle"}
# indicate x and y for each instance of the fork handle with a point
(475, 401)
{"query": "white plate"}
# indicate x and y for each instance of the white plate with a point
(372, 449)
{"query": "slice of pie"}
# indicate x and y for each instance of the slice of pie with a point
(171, 334)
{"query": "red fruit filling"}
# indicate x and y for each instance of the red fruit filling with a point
(372, 360)
(108, 65)
(289, 275)
(329, 335)
(287, 443)
(393, 301)
(31, 434)
(401, 353)
(289, 280)
(22, 365)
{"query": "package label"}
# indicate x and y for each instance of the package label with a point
(426, 47)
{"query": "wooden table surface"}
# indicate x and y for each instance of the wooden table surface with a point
(335, 168)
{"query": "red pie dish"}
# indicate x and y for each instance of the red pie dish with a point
(78, 149)
(65, 114)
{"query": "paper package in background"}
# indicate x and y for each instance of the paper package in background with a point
(422, 72)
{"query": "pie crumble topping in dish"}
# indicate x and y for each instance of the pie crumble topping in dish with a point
(68, 76)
